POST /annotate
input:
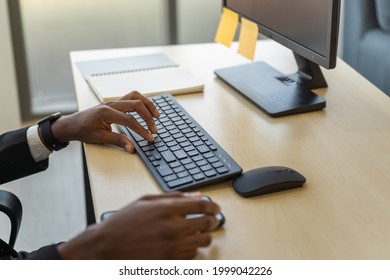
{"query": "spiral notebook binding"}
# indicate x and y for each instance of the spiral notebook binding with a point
(133, 70)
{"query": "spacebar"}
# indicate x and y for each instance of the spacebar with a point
(179, 182)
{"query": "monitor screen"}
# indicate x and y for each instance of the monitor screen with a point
(309, 28)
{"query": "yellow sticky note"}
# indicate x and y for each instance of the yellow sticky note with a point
(227, 27)
(248, 38)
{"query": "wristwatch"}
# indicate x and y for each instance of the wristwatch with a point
(47, 134)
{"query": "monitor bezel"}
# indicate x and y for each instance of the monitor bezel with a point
(329, 60)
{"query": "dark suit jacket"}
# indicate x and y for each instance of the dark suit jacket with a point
(15, 157)
(16, 162)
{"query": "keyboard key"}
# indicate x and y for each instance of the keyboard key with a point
(181, 140)
(175, 148)
(222, 170)
(210, 173)
(175, 164)
(175, 131)
(169, 111)
(148, 153)
(168, 139)
(190, 166)
(137, 138)
(203, 149)
(177, 135)
(180, 154)
(194, 139)
(159, 144)
(182, 126)
(201, 162)
(162, 148)
(161, 130)
(217, 164)
(178, 169)
(164, 170)
(208, 143)
(205, 168)
(168, 156)
(170, 178)
(158, 99)
(197, 143)
(182, 174)
(180, 123)
(197, 158)
(199, 176)
(171, 127)
(148, 148)
(143, 143)
(193, 153)
(212, 159)
(165, 107)
(186, 161)
(171, 143)
(165, 135)
(189, 148)
(186, 144)
(187, 130)
(194, 171)
(164, 120)
(189, 134)
(208, 155)
(180, 182)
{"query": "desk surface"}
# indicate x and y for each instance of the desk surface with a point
(343, 210)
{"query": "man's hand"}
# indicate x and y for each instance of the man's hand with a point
(94, 124)
(153, 227)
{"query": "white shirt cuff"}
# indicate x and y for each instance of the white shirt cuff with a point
(38, 150)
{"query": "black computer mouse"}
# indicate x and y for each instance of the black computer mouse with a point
(267, 180)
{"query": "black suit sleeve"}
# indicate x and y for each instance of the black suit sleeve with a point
(16, 160)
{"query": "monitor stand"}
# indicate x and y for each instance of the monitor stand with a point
(275, 93)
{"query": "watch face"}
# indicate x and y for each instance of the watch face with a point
(50, 118)
(55, 116)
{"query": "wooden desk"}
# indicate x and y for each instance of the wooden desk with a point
(342, 212)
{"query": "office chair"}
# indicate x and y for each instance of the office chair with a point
(12, 207)
(367, 39)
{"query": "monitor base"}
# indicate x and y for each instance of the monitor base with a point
(273, 92)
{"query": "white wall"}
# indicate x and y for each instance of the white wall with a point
(9, 106)
(198, 20)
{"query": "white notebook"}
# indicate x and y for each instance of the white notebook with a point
(111, 79)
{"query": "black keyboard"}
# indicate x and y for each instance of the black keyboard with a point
(184, 156)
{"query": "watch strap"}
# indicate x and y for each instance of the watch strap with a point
(48, 138)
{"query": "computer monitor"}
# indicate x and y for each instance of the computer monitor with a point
(310, 29)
